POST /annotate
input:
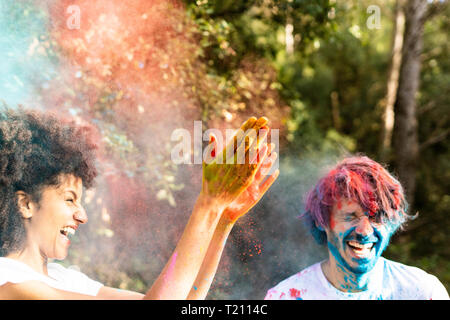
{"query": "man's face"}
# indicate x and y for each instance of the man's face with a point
(355, 239)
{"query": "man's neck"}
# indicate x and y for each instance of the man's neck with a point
(345, 280)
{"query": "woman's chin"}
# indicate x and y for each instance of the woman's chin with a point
(59, 258)
(60, 255)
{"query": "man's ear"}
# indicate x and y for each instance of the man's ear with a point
(318, 226)
(24, 204)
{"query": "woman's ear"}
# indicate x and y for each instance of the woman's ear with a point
(24, 204)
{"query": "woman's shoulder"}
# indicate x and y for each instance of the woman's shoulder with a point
(16, 272)
(61, 273)
(72, 279)
(59, 277)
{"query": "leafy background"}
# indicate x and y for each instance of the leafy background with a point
(137, 71)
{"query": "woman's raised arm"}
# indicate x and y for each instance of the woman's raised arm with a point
(223, 182)
(239, 207)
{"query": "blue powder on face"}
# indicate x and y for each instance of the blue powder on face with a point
(363, 265)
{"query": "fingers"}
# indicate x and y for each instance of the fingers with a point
(265, 163)
(268, 164)
(251, 135)
(213, 141)
(258, 134)
(249, 123)
(269, 181)
(259, 156)
(241, 132)
(254, 150)
(251, 150)
(261, 122)
(209, 154)
(230, 149)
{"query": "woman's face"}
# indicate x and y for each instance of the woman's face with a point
(56, 218)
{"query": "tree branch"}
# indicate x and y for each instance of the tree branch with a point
(435, 139)
(434, 9)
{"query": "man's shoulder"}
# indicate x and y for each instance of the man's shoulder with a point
(413, 280)
(400, 270)
(295, 286)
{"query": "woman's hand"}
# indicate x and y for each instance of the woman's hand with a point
(250, 196)
(229, 173)
(237, 195)
(264, 160)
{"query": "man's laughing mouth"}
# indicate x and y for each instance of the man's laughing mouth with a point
(360, 249)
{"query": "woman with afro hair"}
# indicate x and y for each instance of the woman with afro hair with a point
(46, 163)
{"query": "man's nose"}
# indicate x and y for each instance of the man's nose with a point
(364, 227)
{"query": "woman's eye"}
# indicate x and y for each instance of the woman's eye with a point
(70, 200)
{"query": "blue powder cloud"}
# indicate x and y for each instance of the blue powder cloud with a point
(27, 61)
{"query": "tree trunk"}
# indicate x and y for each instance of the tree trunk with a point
(289, 32)
(405, 135)
(392, 82)
(335, 111)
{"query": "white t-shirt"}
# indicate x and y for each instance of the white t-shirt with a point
(58, 277)
(392, 281)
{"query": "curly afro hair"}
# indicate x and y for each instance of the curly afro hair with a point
(36, 149)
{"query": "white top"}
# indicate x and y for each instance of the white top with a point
(58, 277)
(392, 281)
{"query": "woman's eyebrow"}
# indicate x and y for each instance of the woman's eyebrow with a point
(73, 192)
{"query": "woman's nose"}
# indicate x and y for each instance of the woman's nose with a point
(80, 215)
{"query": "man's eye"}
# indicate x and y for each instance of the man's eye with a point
(70, 200)
(350, 216)
(377, 219)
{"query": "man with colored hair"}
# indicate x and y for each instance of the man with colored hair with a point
(354, 210)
